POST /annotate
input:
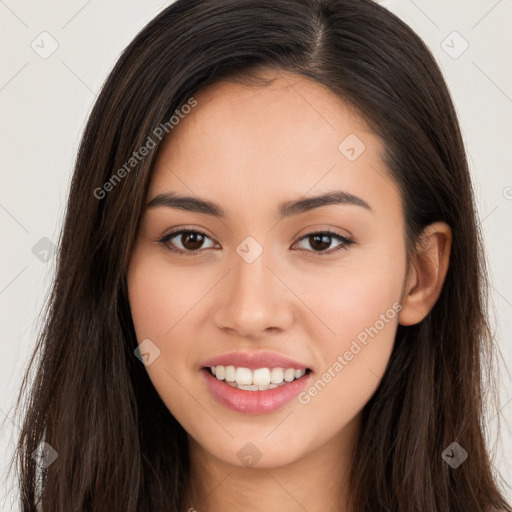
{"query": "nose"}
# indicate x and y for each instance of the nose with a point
(254, 299)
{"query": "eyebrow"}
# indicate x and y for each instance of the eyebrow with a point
(286, 209)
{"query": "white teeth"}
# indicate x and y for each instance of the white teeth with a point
(289, 374)
(230, 374)
(276, 375)
(243, 376)
(220, 372)
(259, 379)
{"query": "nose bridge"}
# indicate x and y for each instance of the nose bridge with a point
(251, 273)
(255, 300)
(251, 286)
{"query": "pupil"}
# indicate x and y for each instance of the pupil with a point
(196, 239)
(318, 244)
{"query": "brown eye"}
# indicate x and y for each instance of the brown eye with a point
(189, 242)
(322, 240)
(185, 242)
(192, 240)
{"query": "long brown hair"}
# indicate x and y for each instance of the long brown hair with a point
(118, 447)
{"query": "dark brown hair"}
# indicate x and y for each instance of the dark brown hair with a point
(91, 400)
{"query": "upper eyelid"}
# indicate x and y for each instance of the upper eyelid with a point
(180, 231)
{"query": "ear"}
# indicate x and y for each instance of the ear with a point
(427, 273)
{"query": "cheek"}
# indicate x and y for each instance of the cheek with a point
(361, 307)
(360, 296)
(160, 296)
(161, 302)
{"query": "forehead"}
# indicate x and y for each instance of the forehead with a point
(260, 140)
(293, 107)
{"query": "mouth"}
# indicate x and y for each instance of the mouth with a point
(260, 379)
(256, 391)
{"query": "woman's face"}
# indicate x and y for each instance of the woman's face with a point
(259, 284)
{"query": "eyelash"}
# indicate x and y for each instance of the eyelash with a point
(345, 242)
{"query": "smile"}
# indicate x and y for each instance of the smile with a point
(257, 391)
(259, 379)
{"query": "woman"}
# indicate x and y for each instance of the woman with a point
(270, 288)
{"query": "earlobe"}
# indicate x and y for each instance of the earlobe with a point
(427, 274)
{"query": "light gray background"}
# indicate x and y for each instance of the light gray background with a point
(44, 103)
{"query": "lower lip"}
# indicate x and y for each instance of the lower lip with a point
(256, 402)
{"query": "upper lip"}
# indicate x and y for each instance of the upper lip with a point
(254, 361)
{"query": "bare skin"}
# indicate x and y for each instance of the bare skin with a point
(249, 149)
